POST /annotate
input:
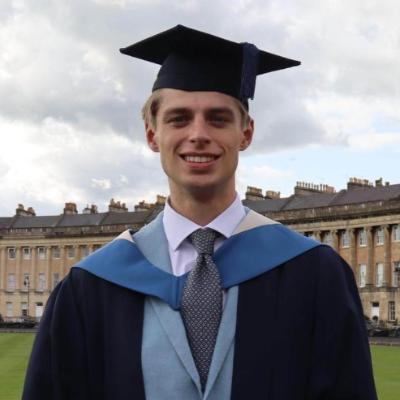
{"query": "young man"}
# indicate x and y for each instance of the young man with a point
(211, 300)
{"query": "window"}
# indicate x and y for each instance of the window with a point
(362, 237)
(396, 233)
(379, 236)
(85, 251)
(379, 274)
(26, 253)
(375, 311)
(41, 282)
(56, 252)
(345, 240)
(363, 275)
(11, 253)
(24, 309)
(9, 309)
(71, 251)
(391, 311)
(39, 310)
(327, 238)
(56, 279)
(11, 282)
(396, 274)
(312, 236)
(41, 253)
(25, 282)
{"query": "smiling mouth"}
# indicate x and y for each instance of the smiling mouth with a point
(199, 159)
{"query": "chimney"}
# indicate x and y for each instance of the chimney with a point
(161, 200)
(270, 194)
(307, 188)
(357, 182)
(143, 206)
(20, 211)
(90, 210)
(116, 206)
(379, 182)
(70, 208)
(254, 193)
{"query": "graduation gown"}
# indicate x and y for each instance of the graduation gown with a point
(300, 331)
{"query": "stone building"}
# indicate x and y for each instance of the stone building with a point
(362, 223)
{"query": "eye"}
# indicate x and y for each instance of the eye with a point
(178, 120)
(219, 119)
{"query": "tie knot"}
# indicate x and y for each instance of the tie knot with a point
(203, 240)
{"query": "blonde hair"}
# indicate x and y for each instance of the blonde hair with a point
(151, 107)
(153, 103)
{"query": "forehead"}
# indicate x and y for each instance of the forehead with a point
(196, 101)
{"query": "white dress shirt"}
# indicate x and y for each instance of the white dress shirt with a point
(177, 229)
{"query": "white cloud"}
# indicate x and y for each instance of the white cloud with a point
(374, 141)
(69, 122)
(52, 163)
(103, 184)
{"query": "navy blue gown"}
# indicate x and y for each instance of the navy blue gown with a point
(300, 335)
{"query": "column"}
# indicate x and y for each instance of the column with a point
(335, 239)
(33, 268)
(18, 255)
(387, 276)
(71, 261)
(318, 235)
(63, 261)
(78, 252)
(370, 256)
(3, 258)
(47, 269)
(353, 250)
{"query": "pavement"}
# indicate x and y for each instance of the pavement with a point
(384, 341)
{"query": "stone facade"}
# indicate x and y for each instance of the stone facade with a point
(362, 223)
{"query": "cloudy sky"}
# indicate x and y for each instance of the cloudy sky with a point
(70, 127)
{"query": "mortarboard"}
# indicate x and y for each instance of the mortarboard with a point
(192, 60)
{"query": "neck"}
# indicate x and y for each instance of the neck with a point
(201, 208)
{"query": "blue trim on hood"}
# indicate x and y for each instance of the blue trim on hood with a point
(241, 257)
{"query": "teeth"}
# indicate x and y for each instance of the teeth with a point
(199, 159)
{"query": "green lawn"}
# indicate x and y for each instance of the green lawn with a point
(15, 348)
(14, 353)
(386, 363)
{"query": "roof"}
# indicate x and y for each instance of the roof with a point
(132, 217)
(354, 195)
(310, 201)
(368, 193)
(267, 205)
(35, 222)
(69, 220)
(5, 222)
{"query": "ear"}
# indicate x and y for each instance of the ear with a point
(151, 138)
(248, 132)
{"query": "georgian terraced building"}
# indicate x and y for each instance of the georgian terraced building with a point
(362, 223)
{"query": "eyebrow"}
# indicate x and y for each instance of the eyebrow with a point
(211, 110)
(220, 110)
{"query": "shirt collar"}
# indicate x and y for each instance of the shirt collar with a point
(178, 228)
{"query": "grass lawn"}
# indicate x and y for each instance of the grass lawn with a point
(386, 363)
(15, 349)
(14, 353)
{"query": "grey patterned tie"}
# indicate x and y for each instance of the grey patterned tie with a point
(201, 306)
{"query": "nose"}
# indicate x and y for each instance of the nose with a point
(199, 131)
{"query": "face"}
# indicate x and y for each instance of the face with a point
(199, 136)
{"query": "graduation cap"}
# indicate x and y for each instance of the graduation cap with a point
(192, 60)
